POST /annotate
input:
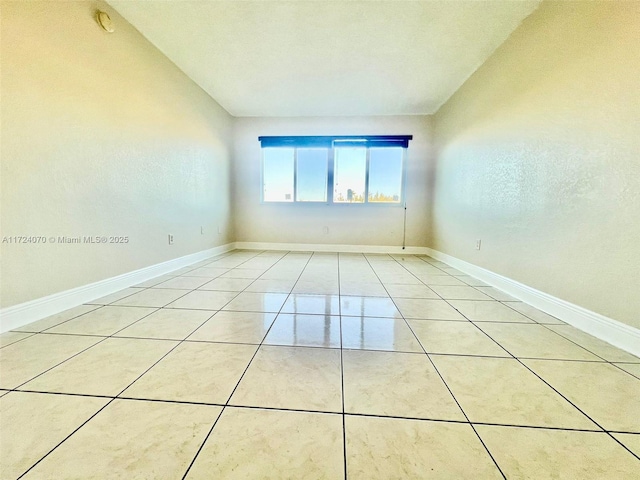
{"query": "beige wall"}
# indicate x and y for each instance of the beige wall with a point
(101, 135)
(538, 155)
(348, 224)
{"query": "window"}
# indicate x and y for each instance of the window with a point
(349, 174)
(311, 169)
(360, 170)
(277, 174)
(385, 175)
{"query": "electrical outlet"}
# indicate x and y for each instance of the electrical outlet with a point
(219, 230)
(201, 230)
(170, 239)
(325, 230)
(478, 244)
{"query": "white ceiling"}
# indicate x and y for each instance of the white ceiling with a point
(316, 58)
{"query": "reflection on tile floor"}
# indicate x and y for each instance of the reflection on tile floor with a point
(314, 365)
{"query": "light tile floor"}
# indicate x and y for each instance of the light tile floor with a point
(314, 365)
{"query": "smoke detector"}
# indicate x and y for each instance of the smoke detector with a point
(104, 21)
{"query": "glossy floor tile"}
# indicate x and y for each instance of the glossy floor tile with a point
(57, 319)
(195, 372)
(251, 273)
(608, 395)
(542, 453)
(314, 304)
(235, 327)
(168, 324)
(12, 337)
(102, 321)
(22, 361)
(259, 364)
(152, 297)
(271, 286)
(272, 444)
(305, 331)
(227, 284)
(534, 341)
(131, 439)
(363, 289)
(533, 313)
(105, 369)
(479, 311)
(437, 336)
(396, 384)
(42, 421)
(257, 302)
(368, 307)
(296, 378)
(203, 300)
(440, 279)
(317, 287)
(369, 333)
(630, 440)
(598, 347)
(184, 283)
(632, 368)
(210, 273)
(411, 291)
(399, 448)
(427, 309)
(503, 391)
(459, 293)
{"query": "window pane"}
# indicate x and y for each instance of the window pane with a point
(277, 174)
(349, 174)
(385, 175)
(311, 177)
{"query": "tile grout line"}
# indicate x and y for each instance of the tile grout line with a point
(112, 399)
(518, 359)
(66, 438)
(222, 410)
(97, 307)
(104, 338)
(116, 397)
(74, 355)
(344, 426)
(470, 321)
(569, 401)
(206, 438)
(120, 397)
(337, 317)
(28, 334)
(450, 391)
(546, 326)
(324, 412)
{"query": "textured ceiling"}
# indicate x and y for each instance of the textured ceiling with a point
(316, 58)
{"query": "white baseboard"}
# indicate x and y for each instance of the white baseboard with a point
(321, 247)
(612, 331)
(24, 313)
(607, 329)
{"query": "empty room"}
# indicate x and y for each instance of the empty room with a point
(320, 239)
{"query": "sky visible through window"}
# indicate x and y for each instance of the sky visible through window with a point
(277, 174)
(349, 172)
(385, 174)
(312, 175)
